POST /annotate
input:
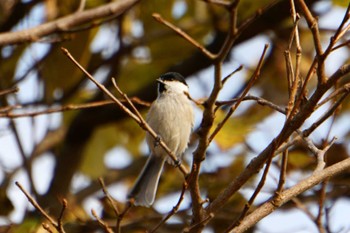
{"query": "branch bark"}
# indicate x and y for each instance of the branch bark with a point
(66, 23)
(288, 194)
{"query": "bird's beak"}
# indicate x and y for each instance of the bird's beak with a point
(160, 81)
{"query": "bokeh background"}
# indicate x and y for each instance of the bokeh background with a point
(62, 154)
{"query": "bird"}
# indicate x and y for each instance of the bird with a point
(171, 117)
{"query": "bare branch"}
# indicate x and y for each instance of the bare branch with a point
(259, 100)
(320, 154)
(9, 91)
(283, 172)
(109, 197)
(38, 207)
(321, 202)
(290, 193)
(69, 107)
(174, 209)
(101, 222)
(219, 2)
(8, 114)
(59, 220)
(231, 74)
(253, 197)
(250, 84)
(313, 25)
(160, 19)
(65, 23)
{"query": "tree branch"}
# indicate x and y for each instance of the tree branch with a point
(65, 23)
(290, 193)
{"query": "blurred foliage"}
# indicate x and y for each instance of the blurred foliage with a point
(135, 49)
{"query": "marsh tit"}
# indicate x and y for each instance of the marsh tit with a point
(171, 117)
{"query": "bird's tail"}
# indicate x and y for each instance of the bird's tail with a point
(145, 187)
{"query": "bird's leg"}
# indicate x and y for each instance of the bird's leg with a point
(177, 163)
(157, 140)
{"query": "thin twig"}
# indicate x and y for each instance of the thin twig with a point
(121, 216)
(313, 25)
(68, 107)
(188, 229)
(283, 172)
(231, 74)
(81, 5)
(37, 206)
(109, 197)
(294, 79)
(223, 3)
(346, 43)
(111, 202)
(321, 201)
(325, 116)
(341, 90)
(340, 32)
(251, 82)
(300, 205)
(59, 220)
(253, 197)
(47, 227)
(101, 222)
(160, 19)
(259, 100)
(27, 165)
(320, 154)
(174, 209)
(8, 108)
(9, 91)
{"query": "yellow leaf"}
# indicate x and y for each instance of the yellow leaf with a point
(58, 72)
(237, 128)
(125, 133)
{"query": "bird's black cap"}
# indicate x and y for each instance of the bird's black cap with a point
(173, 76)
